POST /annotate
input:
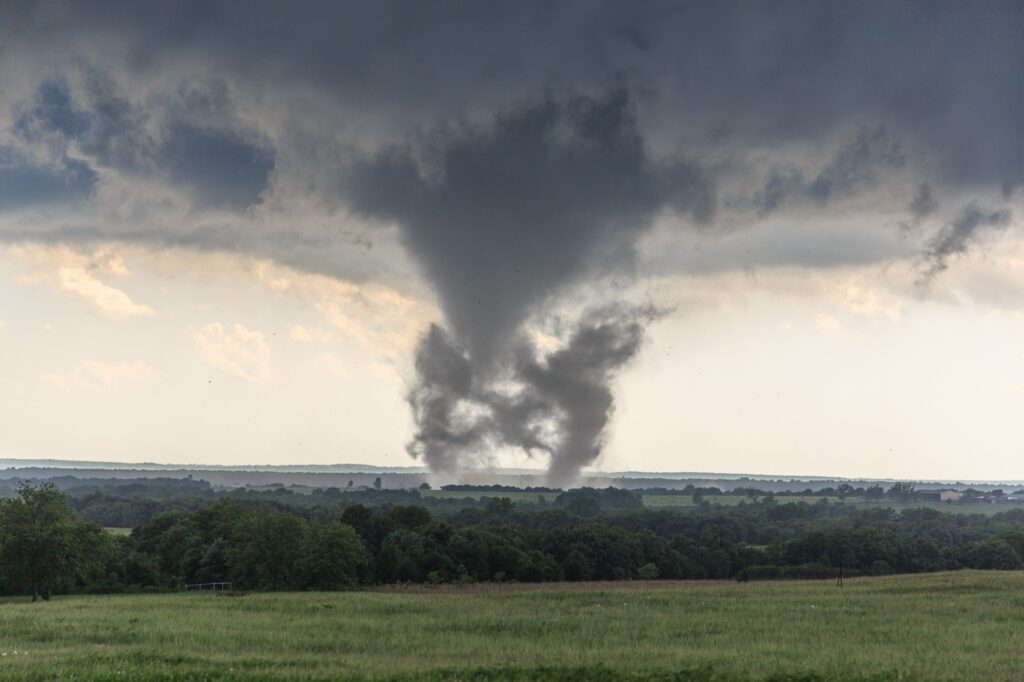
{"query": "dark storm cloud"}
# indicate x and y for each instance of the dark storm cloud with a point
(24, 183)
(944, 75)
(219, 168)
(104, 127)
(504, 216)
(921, 206)
(780, 185)
(923, 203)
(958, 237)
(942, 78)
(52, 111)
(857, 165)
(217, 165)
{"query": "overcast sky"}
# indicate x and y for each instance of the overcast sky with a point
(764, 237)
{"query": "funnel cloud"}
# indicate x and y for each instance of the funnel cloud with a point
(502, 219)
(557, 404)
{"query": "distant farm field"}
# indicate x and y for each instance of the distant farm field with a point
(648, 500)
(947, 507)
(725, 500)
(683, 501)
(965, 625)
(515, 496)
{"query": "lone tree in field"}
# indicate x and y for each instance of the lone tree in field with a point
(904, 492)
(37, 538)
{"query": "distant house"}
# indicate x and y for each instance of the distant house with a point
(948, 495)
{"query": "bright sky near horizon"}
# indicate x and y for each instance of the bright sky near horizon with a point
(790, 244)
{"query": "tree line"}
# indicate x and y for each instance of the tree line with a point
(583, 535)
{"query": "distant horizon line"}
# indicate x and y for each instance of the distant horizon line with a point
(16, 463)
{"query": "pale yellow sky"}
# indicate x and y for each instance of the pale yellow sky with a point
(128, 354)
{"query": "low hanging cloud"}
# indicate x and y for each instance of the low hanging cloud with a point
(924, 203)
(241, 352)
(958, 237)
(858, 165)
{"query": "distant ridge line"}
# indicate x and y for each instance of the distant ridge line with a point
(12, 464)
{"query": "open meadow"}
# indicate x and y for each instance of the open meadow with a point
(963, 625)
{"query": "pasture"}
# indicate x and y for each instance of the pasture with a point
(661, 501)
(964, 625)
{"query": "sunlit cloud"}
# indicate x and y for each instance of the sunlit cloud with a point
(384, 320)
(302, 334)
(241, 352)
(95, 376)
(332, 365)
(78, 275)
(826, 324)
(104, 299)
(376, 317)
(384, 372)
(861, 298)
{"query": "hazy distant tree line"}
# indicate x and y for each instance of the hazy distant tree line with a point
(46, 548)
(127, 503)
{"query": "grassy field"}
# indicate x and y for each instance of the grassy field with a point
(966, 625)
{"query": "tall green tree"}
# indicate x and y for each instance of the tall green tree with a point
(333, 557)
(265, 551)
(37, 545)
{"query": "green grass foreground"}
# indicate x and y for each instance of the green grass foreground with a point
(965, 625)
